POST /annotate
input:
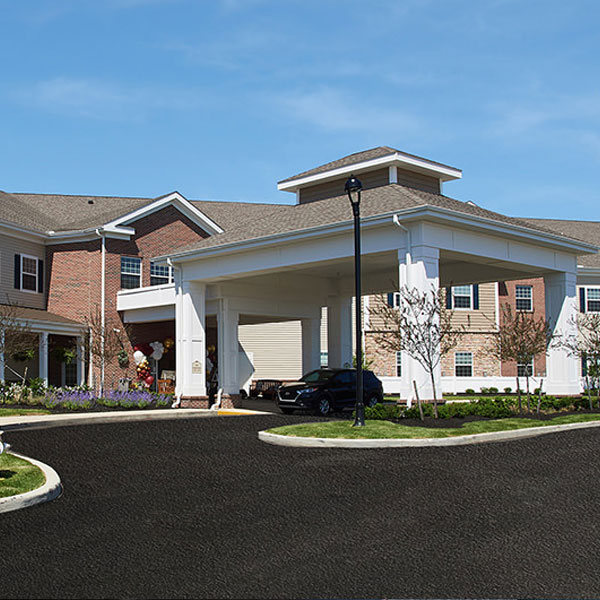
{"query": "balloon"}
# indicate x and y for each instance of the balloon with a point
(138, 357)
(149, 380)
(168, 342)
(157, 350)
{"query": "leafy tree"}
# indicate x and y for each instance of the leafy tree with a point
(420, 326)
(520, 337)
(585, 345)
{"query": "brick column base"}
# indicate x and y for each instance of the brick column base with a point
(194, 402)
(231, 401)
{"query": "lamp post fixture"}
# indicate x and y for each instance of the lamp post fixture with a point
(353, 188)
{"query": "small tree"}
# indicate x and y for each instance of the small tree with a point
(16, 337)
(520, 338)
(585, 345)
(102, 344)
(420, 326)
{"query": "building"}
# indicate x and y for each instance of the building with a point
(216, 276)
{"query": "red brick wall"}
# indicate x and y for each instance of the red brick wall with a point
(75, 271)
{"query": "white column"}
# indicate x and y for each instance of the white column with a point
(311, 345)
(43, 356)
(190, 343)
(562, 370)
(79, 342)
(228, 347)
(339, 331)
(421, 270)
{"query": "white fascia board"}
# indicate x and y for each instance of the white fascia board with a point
(441, 214)
(421, 165)
(39, 325)
(181, 203)
(87, 235)
(583, 270)
(9, 230)
(445, 214)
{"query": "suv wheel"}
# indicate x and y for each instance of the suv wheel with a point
(323, 407)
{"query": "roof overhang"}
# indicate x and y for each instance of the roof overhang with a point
(398, 159)
(423, 213)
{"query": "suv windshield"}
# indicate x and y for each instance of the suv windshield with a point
(318, 376)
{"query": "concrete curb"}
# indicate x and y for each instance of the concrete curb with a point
(49, 491)
(463, 440)
(44, 421)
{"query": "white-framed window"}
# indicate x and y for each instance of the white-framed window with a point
(524, 297)
(131, 272)
(462, 296)
(524, 370)
(29, 273)
(592, 299)
(160, 274)
(398, 364)
(463, 364)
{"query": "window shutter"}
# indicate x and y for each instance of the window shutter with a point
(448, 297)
(475, 296)
(17, 271)
(40, 282)
(390, 299)
(582, 300)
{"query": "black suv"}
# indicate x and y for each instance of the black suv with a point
(325, 390)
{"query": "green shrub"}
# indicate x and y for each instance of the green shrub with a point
(507, 390)
(493, 390)
(469, 391)
(484, 390)
(379, 412)
(413, 411)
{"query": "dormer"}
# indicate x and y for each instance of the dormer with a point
(375, 168)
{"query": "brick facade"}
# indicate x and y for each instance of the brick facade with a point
(74, 278)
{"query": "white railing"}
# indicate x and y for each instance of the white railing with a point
(146, 297)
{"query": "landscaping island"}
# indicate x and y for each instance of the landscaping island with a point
(18, 476)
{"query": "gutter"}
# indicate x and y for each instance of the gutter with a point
(100, 232)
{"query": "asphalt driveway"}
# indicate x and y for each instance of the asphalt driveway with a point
(200, 508)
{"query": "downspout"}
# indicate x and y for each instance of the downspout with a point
(103, 307)
(408, 260)
(177, 402)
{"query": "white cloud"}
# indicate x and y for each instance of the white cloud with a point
(333, 110)
(105, 101)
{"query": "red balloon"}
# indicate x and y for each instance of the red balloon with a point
(149, 380)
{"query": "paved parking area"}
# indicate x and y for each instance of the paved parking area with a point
(200, 508)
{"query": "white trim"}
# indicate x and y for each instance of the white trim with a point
(176, 199)
(37, 274)
(497, 304)
(471, 306)
(393, 174)
(412, 163)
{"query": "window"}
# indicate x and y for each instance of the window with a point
(463, 364)
(29, 273)
(525, 370)
(524, 298)
(324, 359)
(398, 364)
(461, 296)
(131, 272)
(160, 274)
(593, 300)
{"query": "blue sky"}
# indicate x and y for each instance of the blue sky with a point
(220, 99)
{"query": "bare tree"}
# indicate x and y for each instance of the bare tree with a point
(16, 338)
(102, 344)
(421, 326)
(520, 338)
(585, 345)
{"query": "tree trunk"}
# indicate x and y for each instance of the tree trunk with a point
(418, 401)
(528, 393)
(519, 396)
(435, 410)
(589, 390)
(539, 402)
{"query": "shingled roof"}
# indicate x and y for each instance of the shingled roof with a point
(257, 221)
(356, 158)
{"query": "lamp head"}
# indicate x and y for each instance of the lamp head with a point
(353, 188)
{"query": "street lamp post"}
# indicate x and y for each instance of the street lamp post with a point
(353, 188)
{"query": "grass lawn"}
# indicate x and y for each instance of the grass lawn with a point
(18, 476)
(12, 412)
(387, 430)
